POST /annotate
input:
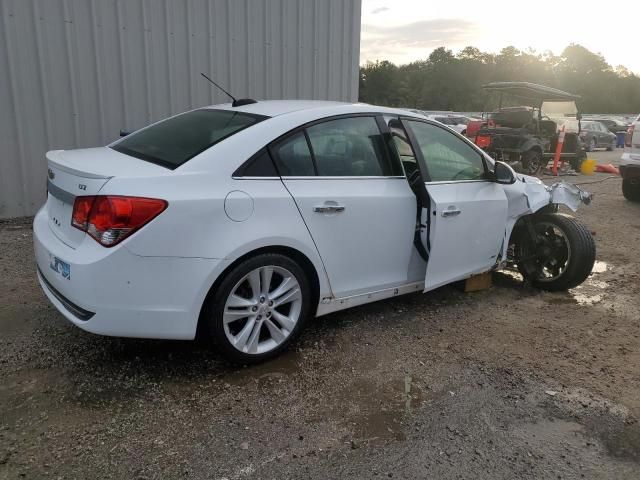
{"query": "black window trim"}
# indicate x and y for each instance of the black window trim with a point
(172, 166)
(421, 160)
(391, 146)
(313, 154)
(239, 172)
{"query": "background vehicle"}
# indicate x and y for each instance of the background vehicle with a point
(454, 122)
(630, 163)
(594, 134)
(612, 124)
(525, 136)
(242, 222)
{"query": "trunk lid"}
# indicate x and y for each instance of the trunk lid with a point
(73, 173)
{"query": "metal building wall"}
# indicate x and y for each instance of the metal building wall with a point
(74, 72)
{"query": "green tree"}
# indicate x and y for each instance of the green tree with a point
(448, 81)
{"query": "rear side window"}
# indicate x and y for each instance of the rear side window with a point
(260, 165)
(350, 147)
(174, 141)
(293, 157)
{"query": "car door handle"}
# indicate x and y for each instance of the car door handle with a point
(451, 213)
(329, 209)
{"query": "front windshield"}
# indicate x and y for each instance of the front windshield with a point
(559, 109)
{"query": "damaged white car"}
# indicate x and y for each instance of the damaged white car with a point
(244, 220)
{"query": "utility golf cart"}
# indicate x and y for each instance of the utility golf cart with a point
(525, 136)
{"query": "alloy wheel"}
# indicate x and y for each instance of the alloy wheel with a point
(262, 309)
(554, 252)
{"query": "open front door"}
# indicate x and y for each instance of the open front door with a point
(467, 230)
(467, 212)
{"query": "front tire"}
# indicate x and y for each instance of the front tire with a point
(631, 189)
(259, 308)
(532, 161)
(563, 256)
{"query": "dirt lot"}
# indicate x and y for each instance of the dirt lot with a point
(505, 383)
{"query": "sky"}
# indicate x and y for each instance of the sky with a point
(405, 30)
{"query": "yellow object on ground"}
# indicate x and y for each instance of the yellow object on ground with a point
(588, 166)
(478, 282)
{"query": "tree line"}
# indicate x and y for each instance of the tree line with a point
(448, 81)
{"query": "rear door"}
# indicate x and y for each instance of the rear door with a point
(468, 212)
(602, 134)
(354, 199)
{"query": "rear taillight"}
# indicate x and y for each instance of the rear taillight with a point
(109, 219)
(629, 136)
(483, 141)
(81, 209)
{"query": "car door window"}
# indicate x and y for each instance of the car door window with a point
(293, 157)
(402, 146)
(448, 158)
(350, 147)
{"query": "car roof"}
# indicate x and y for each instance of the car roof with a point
(275, 108)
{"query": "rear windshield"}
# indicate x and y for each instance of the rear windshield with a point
(174, 141)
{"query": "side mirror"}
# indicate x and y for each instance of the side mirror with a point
(503, 174)
(124, 133)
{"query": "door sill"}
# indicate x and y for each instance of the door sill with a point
(330, 305)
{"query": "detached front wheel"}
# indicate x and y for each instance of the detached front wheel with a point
(562, 255)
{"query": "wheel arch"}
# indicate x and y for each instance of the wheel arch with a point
(531, 144)
(303, 260)
(536, 146)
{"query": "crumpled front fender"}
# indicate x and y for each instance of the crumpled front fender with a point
(570, 195)
(529, 194)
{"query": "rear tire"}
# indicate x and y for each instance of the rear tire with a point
(565, 254)
(246, 317)
(631, 189)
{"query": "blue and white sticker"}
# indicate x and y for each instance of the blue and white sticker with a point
(60, 266)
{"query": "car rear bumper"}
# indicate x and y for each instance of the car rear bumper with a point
(115, 292)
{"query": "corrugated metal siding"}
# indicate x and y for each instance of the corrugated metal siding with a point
(74, 72)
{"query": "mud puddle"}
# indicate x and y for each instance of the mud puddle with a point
(377, 412)
(593, 290)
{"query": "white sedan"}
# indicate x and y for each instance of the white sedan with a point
(244, 222)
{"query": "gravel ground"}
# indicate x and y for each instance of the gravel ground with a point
(505, 383)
